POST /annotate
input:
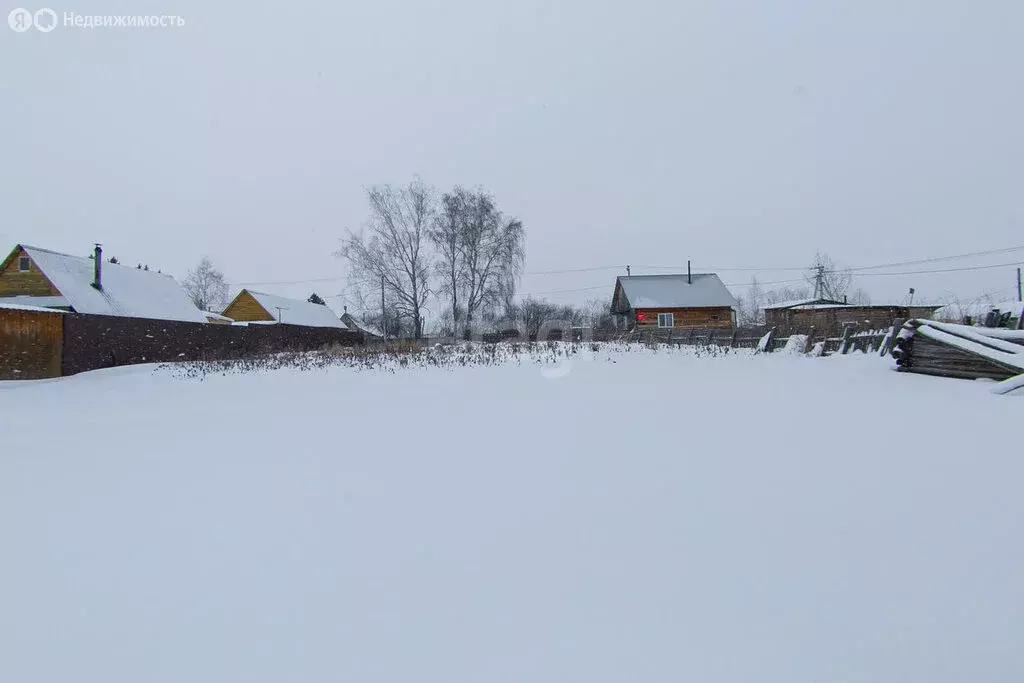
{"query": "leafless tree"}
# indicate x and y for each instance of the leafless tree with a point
(447, 234)
(206, 287)
(533, 313)
(750, 307)
(599, 315)
(776, 296)
(859, 297)
(395, 250)
(493, 250)
(445, 325)
(828, 280)
(966, 311)
(390, 322)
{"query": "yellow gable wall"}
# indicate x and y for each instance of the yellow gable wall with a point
(13, 282)
(246, 309)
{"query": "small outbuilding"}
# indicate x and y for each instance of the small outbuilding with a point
(829, 316)
(353, 323)
(684, 301)
(251, 306)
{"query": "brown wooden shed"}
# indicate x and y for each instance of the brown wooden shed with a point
(829, 316)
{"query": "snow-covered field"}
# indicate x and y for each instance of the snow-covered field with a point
(637, 517)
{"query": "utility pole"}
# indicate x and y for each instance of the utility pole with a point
(1019, 297)
(818, 281)
(383, 313)
(279, 309)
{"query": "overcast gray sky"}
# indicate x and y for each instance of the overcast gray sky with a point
(735, 134)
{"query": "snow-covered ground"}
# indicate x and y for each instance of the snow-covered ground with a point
(637, 517)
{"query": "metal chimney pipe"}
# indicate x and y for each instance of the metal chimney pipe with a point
(689, 277)
(97, 265)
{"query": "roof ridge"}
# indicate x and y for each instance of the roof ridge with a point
(86, 258)
(279, 296)
(668, 275)
(51, 251)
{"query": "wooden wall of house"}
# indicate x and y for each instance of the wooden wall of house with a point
(31, 344)
(688, 318)
(245, 308)
(831, 320)
(801, 319)
(869, 317)
(14, 282)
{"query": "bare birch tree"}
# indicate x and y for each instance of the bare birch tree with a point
(447, 235)
(393, 253)
(493, 249)
(776, 296)
(206, 287)
(750, 307)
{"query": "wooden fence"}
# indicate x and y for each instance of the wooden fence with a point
(769, 340)
(39, 344)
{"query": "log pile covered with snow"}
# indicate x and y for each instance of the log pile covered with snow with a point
(932, 348)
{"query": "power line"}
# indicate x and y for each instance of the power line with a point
(856, 269)
(565, 291)
(575, 270)
(938, 259)
(288, 282)
(941, 270)
(793, 280)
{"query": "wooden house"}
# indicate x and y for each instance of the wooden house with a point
(829, 316)
(687, 301)
(258, 307)
(31, 276)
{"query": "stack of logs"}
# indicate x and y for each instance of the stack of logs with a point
(922, 353)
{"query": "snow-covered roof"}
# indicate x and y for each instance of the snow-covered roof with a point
(674, 291)
(353, 322)
(127, 291)
(296, 311)
(818, 307)
(22, 307)
(217, 316)
(806, 304)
